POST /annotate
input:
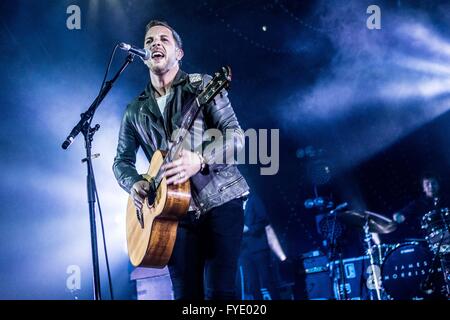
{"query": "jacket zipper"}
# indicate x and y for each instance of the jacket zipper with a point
(230, 184)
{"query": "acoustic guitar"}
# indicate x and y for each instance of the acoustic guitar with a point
(151, 232)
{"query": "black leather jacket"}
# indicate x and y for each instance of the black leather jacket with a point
(144, 126)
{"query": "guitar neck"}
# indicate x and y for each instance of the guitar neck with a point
(177, 145)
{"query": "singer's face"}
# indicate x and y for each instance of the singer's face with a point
(430, 187)
(165, 53)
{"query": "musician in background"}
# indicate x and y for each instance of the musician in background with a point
(258, 272)
(409, 218)
(204, 261)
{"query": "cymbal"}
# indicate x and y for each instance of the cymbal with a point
(377, 222)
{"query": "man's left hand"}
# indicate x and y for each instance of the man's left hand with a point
(180, 170)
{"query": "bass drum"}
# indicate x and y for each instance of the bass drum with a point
(404, 271)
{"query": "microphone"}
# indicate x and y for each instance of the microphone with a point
(69, 140)
(143, 53)
(339, 207)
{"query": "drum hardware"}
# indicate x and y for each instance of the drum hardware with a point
(403, 271)
(371, 223)
(370, 253)
(381, 250)
(445, 265)
(436, 226)
(427, 285)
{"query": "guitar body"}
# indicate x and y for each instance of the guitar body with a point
(150, 244)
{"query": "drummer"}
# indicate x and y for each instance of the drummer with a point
(409, 218)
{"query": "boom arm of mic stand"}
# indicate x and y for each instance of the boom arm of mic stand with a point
(86, 116)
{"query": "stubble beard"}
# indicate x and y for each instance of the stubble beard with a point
(161, 69)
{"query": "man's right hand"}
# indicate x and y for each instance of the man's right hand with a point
(138, 192)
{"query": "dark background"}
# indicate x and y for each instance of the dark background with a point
(373, 104)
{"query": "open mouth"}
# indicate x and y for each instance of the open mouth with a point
(157, 55)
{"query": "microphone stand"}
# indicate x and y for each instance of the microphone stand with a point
(84, 126)
(334, 246)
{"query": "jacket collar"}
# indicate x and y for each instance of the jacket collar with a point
(150, 107)
(180, 78)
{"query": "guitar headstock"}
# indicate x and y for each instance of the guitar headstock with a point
(220, 81)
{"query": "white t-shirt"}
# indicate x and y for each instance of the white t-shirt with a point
(162, 101)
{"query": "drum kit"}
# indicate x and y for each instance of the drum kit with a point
(417, 269)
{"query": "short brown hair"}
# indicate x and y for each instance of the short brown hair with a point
(429, 175)
(176, 36)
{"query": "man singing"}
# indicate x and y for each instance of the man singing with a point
(203, 264)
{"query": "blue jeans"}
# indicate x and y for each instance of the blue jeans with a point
(204, 261)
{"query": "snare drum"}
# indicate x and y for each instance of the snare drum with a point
(435, 224)
(404, 270)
